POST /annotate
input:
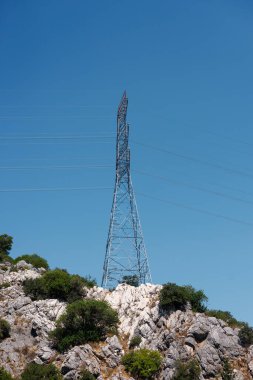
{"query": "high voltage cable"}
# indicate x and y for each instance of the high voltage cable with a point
(59, 143)
(190, 158)
(199, 188)
(180, 205)
(53, 189)
(206, 212)
(56, 106)
(62, 137)
(54, 167)
(29, 117)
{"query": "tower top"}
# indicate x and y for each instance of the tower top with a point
(122, 108)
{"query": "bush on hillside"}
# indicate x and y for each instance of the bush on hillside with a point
(135, 341)
(187, 371)
(34, 371)
(58, 284)
(84, 321)
(35, 260)
(4, 375)
(143, 363)
(131, 280)
(227, 371)
(86, 375)
(4, 329)
(173, 296)
(225, 316)
(246, 335)
(5, 247)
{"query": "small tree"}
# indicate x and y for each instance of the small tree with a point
(187, 371)
(143, 363)
(173, 296)
(34, 371)
(135, 341)
(131, 280)
(246, 335)
(84, 321)
(36, 261)
(4, 375)
(5, 247)
(227, 372)
(4, 329)
(58, 284)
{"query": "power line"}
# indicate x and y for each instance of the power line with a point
(195, 187)
(5, 143)
(53, 189)
(59, 137)
(55, 106)
(206, 212)
(193, 159)
(55, 167)
(31, 117)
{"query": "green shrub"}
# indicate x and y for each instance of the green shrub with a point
(34, 371)
(143, 364)
(187, 371)
(58, 284)
(246, 335)
(135, 341)
(4, 375)
(5, 247)
(84, 321)
(35, 260)
(227, 372)
(5, 285)
(225, 316)
(131, 280)
(173, 296)
(86, 375)
(4, 329)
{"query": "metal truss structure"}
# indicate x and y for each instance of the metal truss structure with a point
(126, 256)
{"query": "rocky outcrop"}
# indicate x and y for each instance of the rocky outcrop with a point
(179, 335)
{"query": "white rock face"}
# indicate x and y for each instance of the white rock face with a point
(179, 335)
(135, 306)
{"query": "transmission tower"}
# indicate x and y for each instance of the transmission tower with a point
(126, 256)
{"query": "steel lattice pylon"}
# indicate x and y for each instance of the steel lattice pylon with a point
(125, 249)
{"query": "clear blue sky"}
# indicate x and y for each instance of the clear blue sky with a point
(187, 69)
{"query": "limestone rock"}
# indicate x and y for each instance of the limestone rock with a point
(179, 335)
(80, 357)
(112, 352)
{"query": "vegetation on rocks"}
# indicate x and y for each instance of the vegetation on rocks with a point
(36, 261)
(135, 341)
(35, 371)
(4, 375)
(225, 316)
(227, 371)
(5, 247)
(246, 335)
(86, 375)
(4, 329)
(143, 363)
(131, 280)
(173, 296)
(58, 284)
(84, 321)
(187, 371)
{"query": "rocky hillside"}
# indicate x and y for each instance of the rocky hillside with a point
(179, 335)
